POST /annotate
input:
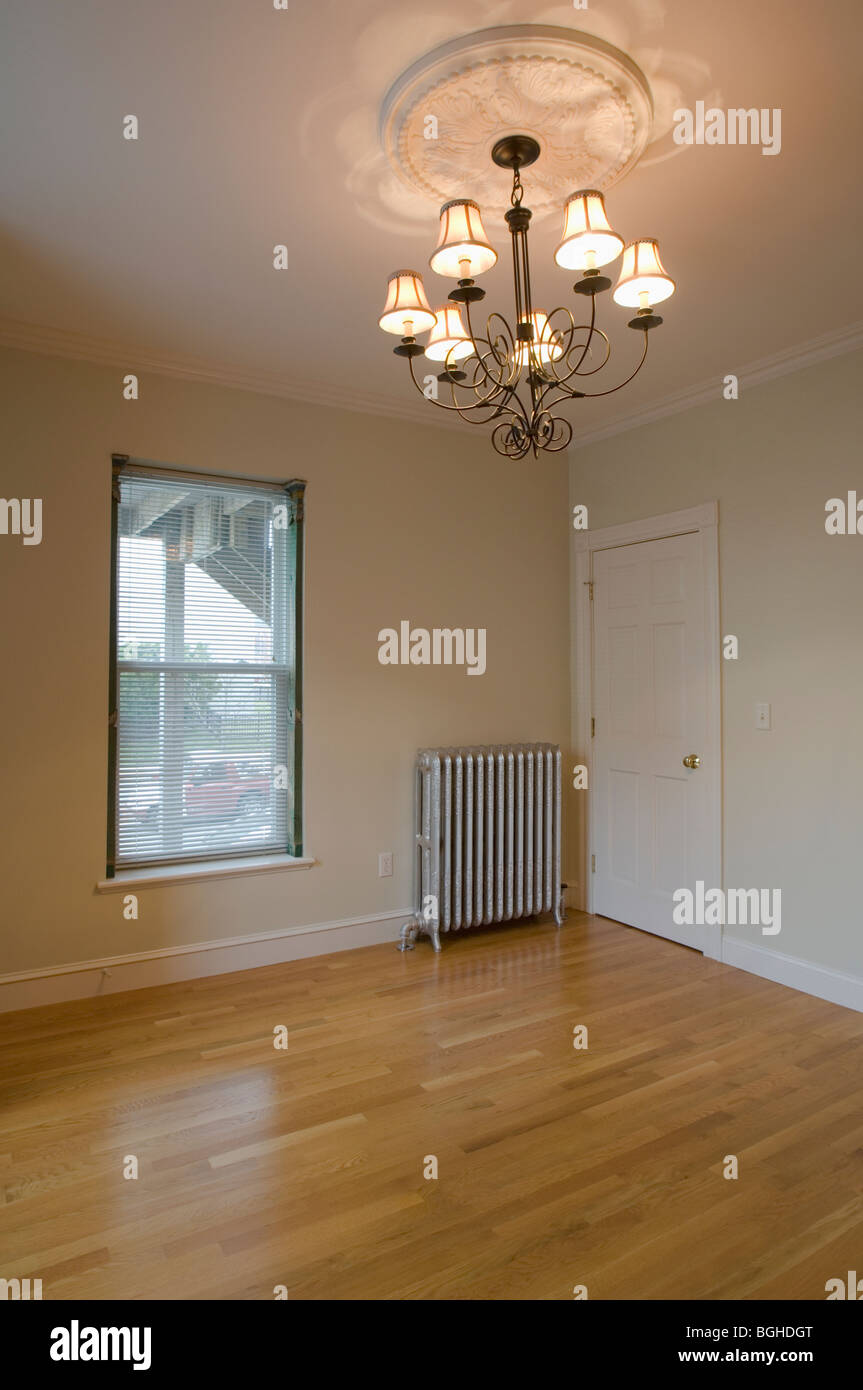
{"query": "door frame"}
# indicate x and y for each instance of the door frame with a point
(703, 520)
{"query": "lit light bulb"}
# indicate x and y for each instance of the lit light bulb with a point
(644, 280)
(589, 240)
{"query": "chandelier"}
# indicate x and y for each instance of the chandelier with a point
(517, 379)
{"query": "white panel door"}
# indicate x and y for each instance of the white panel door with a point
(651, 813)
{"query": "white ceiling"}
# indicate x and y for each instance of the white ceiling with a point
(259, 127)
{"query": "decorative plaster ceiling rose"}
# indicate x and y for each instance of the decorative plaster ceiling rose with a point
(587, 103)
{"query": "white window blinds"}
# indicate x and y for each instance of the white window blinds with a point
(205, 734)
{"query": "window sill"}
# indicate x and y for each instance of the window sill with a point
(191, 873)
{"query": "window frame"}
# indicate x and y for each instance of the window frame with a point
(294, 493)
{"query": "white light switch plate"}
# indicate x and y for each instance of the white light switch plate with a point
(385, 865)
(762, 716)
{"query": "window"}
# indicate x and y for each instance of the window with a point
(204, 745)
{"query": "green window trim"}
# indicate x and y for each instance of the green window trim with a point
(287, 628)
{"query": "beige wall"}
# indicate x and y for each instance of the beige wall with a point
(793, 812)
(402, 522)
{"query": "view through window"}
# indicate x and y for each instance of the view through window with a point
(204, 749)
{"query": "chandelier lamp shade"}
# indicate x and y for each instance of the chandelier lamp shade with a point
(407, 311)
(514, 379)
(463, 248)
(643, 278)
(449, 339)
(588, 239)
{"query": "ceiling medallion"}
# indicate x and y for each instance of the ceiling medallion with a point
(589, 104)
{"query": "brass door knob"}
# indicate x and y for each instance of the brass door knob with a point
(692, 760)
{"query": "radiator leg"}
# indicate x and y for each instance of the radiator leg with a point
(411, 930)
(560, 910)
(408, 935)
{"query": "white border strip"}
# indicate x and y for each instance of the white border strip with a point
(93, 978)
(102, 352)
(793, 359)
(61, 342)
(837, 986)
(89, 979)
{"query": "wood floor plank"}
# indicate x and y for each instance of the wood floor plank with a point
(556, 1165)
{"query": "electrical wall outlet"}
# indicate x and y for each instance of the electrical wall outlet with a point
(385, 865)
(762, 716)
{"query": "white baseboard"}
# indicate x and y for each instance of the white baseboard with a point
(88, 979)
(838, 986)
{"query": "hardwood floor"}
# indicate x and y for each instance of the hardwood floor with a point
(557, 1167)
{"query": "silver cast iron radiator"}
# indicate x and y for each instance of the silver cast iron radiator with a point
(487, 837)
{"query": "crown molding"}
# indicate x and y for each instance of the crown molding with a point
(61, 342)
(795, 359)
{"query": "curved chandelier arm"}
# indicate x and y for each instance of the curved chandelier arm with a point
(482, 376)
(569, 347)
(511, 441)
(500, 397)
(503, 394)
(514, 436)
(547, 403)
(500, 394)
(591, 395)
(571, 331)
(554, 381)
(490, 403)
(509, 407)
(552, 432)
(512, 420)
(565, 392)
(504, 359)
(500, 400)
(586, 349)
